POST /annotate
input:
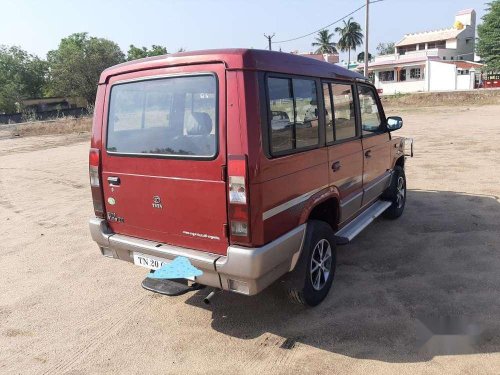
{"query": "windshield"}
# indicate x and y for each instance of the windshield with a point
(174, 116)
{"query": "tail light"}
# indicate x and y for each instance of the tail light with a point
(239, 216)
(95, 182)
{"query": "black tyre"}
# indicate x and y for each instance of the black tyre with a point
(396, 193)
(311, 280)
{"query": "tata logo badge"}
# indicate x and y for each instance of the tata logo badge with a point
(157, 202)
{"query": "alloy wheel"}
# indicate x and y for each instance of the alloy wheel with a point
(321, 264)
(400, 192)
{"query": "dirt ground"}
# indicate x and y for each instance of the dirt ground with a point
(66, 309)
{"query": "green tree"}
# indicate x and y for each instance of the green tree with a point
(386, 48)
(488, 45)
(22, 76)
(361, 57)
(350, 37)
(76, 65)
(135, 53)
(324, 43)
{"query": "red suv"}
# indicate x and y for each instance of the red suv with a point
(248, 165)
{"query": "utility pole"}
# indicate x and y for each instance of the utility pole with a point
(269, 37)
(366, 37)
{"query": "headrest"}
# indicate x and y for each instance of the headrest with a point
(202, 124)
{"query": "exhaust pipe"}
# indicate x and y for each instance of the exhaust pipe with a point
(208, 298)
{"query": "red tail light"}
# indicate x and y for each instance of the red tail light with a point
(239, 215)
(95, 182)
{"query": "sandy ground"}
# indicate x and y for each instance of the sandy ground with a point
(66, 309)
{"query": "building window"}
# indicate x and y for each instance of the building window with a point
(386, 76)
(415, 73)
(451, 57)
(421, 46)
(438, 44)
(402, 75)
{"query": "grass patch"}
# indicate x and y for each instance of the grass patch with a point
(66, 125)
(433, 99)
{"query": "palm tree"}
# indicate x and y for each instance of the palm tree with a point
(350, 37)
(324, 43)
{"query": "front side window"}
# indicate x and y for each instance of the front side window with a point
(371, 121)
(169, 117)
(293, 114)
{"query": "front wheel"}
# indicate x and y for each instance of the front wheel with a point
(311, 280)
(396, 193)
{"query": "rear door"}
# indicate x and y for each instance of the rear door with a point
(163, 155)
(345, 151)
(376, 144)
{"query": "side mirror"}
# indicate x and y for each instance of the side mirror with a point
(394, 123)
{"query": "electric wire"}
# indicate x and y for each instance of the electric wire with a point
(331, 24)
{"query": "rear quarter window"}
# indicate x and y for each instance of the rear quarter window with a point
(174, 116)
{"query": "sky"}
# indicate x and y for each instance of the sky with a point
(38, 26)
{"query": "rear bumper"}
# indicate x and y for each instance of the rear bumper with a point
(243, 270)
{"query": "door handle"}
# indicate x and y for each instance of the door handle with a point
(368, 154)
(336, 166)
(114, 181)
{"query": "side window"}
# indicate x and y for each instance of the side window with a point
(371, 121)
(306, 112)
(294, 114)
(282, 114)
(328, 113)
(343, 109)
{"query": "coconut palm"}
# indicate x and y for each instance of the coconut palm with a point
(350, 37)
(324, 43)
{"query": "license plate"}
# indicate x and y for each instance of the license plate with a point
(151, 262)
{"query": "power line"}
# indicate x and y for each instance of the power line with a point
(331, 24)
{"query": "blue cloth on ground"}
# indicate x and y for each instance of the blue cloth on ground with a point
(179, 268)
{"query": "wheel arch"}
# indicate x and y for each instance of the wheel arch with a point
(323, 206)
(400, 161)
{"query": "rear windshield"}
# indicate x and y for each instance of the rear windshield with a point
(174, 116)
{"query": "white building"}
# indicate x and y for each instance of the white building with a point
(421, 60)
(331, 58)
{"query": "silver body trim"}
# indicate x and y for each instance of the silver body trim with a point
(292, 202)
(258, 267)
(376, 188)
(349, 206)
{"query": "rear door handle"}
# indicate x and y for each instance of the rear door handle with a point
(368, 154)
(114, 181)
(336, 166)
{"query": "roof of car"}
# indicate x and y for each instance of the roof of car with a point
(251, 59)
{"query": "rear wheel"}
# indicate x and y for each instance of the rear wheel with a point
(312, 278)
(396, 193)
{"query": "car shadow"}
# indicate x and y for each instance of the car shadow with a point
(407, 290)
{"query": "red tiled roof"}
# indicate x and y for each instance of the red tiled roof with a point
(464, 64)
